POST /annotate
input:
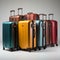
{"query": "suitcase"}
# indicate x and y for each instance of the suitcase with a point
(16, 18)
(48, 27)
(10, 38)
(54, 28)
(27, 36)
(48, 33)
(32, 16)
(40, 33)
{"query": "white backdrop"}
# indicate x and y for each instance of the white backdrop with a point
(38, 6)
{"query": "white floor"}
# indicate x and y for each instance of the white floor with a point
(50, 53)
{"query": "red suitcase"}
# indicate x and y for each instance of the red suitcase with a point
(32, 16)
(53, 32)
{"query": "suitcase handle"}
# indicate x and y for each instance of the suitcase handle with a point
(43, 16)
(30, 13)
(12, 12)
(21, 11)
(49, 16)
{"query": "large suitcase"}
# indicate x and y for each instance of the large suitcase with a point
(48, 33)
(32, 16)
(54, 39)
(40, 33)
(10, 38)
(16, 18)
(27, 36)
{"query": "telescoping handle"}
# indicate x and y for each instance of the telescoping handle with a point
(44, 16)
(50, 16)
(30, 13)
(20, 9)
(12, 12)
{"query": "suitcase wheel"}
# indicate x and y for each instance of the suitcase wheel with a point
(39, 48)
(3, 48)
(56, 44)
(44, 47)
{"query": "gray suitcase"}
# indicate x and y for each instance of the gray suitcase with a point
(40, 33)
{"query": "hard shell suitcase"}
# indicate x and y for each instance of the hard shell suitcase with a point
(27, 38)
(48, 32)
(16, 18)
(10, 38)
(32, 16)
(40, 33)
(54, 28)
(43, 27)
(48, 26)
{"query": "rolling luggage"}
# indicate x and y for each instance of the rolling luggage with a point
(32, 16)
(40, 33)
(54, 24)
(27, 36)
(48, 33)
(10, 38)
(16, 18)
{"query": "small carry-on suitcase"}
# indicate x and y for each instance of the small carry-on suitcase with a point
(10, 38)
(40, 33)
(26, 35)
(16, 18)
(54, 40)
(32, 16)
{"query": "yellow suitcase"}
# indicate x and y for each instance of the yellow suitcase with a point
(27, 35)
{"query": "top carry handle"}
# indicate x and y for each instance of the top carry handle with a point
(21, 11)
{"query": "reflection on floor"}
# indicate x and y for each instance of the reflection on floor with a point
(50, 53)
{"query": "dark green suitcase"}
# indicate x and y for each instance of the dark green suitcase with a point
(10, 36)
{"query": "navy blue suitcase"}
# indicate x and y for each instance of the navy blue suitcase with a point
(10, 36)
